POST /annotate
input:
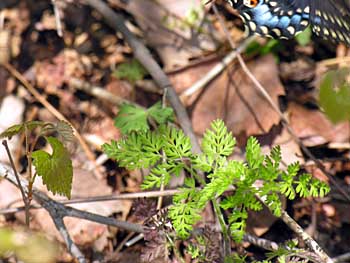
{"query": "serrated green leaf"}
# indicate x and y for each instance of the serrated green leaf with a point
(131, 118)
(31, 125)
(288, 190)
(203, 162)
(323, 189)
(11, 131)
(111, 149)
(55, 169)
(274, 203)
(161, 114)
(302, 187)
(276, 154)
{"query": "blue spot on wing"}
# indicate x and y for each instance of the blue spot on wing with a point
(285, 13)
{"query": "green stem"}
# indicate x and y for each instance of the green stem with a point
(224, 229)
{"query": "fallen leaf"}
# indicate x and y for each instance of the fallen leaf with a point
(313, 127)
(232, 97)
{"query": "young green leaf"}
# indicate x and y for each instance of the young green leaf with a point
(184, 216)
(176, 144)
(253, 153)
(335, 95)
(157, 176)
(302, 187)
(56, 169)
(161, 114)
(18, 128)
(218, 141)
(131, 118)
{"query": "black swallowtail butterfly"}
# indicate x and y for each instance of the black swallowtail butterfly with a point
(284, 19)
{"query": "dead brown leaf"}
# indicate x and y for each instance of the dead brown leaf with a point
(313, 127)
(233, 98)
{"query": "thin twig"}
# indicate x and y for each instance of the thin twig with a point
(216, 70)
(56, 10)
(106, 198)
(99, 92)
(24, 196)
(261, 242)
(58, 211)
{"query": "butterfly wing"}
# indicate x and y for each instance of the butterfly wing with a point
(330, 19)
(277, 19)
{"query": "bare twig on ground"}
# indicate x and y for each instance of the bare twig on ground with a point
(58, 211)
(126, 196)
(57, 18)
(215, 71)
(99, 92)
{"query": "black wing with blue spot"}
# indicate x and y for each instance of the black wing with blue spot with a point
(329, 19)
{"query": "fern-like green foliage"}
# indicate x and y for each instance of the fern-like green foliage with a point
(145, 149)
(167, 152)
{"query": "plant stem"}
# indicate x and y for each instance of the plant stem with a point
(224, 230)
(24, 197)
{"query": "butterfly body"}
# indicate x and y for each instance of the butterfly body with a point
(284, 19)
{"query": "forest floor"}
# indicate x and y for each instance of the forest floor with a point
(70, 61)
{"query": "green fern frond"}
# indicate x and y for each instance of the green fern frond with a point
(183, 217)
(218, 141)
(253, 153)
(176, 144)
